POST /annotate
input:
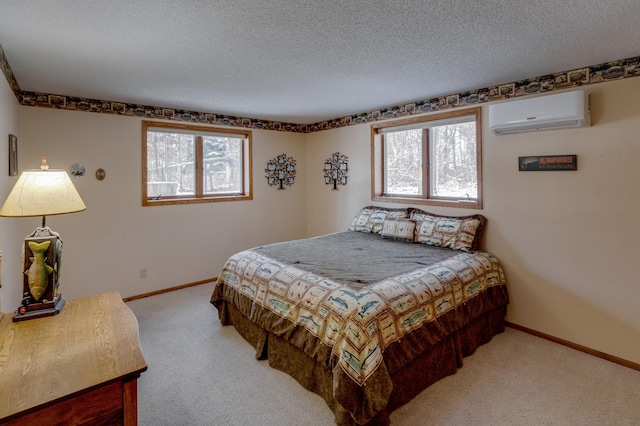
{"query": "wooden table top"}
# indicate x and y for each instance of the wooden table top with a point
(93, 341)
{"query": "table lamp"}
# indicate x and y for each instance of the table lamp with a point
(43, 193)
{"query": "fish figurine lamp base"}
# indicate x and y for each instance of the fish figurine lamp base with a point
(42, 255)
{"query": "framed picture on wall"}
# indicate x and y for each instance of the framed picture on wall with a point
(13, 155)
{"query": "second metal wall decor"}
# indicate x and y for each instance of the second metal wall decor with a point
(335, 170)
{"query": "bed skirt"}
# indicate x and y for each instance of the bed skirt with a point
(441, 359)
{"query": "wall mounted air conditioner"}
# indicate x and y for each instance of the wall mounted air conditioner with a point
(556, 111)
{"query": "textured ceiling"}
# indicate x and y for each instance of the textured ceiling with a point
(303, 61)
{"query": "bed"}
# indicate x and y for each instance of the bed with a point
(368, 318)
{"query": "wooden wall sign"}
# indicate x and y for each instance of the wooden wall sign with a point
(538, 163)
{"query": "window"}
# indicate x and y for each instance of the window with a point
(433, 160)
(193, 164)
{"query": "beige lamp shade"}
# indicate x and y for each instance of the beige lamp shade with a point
(42, 193)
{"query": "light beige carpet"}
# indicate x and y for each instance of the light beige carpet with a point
(201, 373)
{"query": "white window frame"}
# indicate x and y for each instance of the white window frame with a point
(246, 192)
(423, 122)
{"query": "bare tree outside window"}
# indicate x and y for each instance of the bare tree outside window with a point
(453, 173)
(171, 164)
(403, 162)
(222, 169)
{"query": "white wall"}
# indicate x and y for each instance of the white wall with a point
(331, 210)
(106, 246)
(10, 237)
(568, 239)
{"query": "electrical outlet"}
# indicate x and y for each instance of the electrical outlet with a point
(143, 273)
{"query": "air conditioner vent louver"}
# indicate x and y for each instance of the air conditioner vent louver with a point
(556, 111)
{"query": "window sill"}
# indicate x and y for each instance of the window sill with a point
(460, 204)
(171, 201)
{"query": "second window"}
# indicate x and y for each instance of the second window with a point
(429, 160)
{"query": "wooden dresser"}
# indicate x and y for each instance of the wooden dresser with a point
(78, 367)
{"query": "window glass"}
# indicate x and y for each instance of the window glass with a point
(403, 162)
(171, 164)
(222, 158)
(453, 171)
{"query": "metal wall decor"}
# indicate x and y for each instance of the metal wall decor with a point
(281, 171)
(335, 170)
(77, 171)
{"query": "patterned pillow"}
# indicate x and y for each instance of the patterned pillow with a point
(398, 229)
(455, 232)
(370, 218)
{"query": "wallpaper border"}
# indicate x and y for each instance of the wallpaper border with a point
(8, 74)
(608, 71)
